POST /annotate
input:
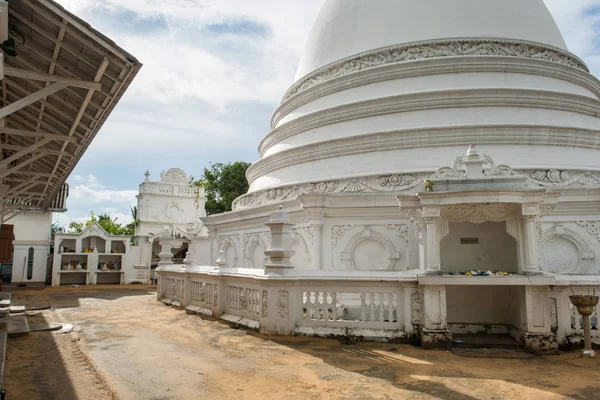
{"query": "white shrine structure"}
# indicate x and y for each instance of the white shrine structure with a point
(171, 203)
(420, 140)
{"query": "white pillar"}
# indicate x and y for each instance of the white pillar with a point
(531, 266)
(166, 256)
(432, 225)
(280, 251)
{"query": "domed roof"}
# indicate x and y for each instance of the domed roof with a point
(348, 27)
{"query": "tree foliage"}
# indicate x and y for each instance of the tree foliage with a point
(223, 183)
(110, 225)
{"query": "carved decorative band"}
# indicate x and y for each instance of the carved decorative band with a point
(398, 183)
(436, 49)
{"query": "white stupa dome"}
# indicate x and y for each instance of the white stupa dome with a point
(397, 87)
(348, 27)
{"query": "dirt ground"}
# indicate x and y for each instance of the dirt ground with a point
(126, 345)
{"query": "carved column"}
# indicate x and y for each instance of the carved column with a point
(432, 227)
(530, 234)
(317, 227)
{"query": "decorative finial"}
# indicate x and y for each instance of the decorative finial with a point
(472, 151)
(147, 175)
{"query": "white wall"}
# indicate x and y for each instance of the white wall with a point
(496, 249)
(31, 229)
(481, 305)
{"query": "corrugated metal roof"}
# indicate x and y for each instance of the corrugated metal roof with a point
(44, 140)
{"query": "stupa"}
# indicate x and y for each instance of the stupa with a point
(434, 170)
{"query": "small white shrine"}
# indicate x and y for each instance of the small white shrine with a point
(428, 174)
(174, 203)
(92, 257)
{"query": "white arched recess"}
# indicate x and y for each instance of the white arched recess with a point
(482, 213)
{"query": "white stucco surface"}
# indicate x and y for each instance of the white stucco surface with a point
(348, 27)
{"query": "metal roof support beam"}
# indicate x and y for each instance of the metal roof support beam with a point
(38, 76)
(22, 165)
(21, 188)
(31, 99)
(4, 163)
(34, 134)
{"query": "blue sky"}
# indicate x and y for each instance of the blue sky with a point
(214, 71)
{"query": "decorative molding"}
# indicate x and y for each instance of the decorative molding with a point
(560, 247)
(283, 304)
(401, 229)
(592, 227)
(555, 177)
(224, 242)
(545, 211)
(435, 49)
(174, 175)
(365, 235)
(416, 308)
(337, 232)
(265, 304)
(478, 213)
(296, 236)
(416, 218)
(371, 184)
(458, 169)
(309, 232)
(251, 241)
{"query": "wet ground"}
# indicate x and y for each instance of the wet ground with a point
(126, 345)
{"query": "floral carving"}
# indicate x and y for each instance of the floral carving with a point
(337, 231)
(478, 213)
(435, 49)
(401, 229)
(395, 180)
(283, 304)
(458, 169)
(416, 218)
(564, 178)
(174, 175)
(593, 227)
(321, 187)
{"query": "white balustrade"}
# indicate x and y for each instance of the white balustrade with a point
(204, 294)
(242, 301)
(174, 288)
(367, 309)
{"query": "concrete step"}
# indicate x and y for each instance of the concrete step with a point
(17, 308)
(17, 325)
(474, 341)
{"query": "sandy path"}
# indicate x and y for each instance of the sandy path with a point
(128, 346)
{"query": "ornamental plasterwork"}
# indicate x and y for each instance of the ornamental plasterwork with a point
(337, 232)
(174, 175)
(401, 229)
(545, 211)
(283, 304)
(365, 235)
(416, 308)
(435, 49)
(373, 184)
(565, 178)
(309, 232)
(458, 169)
(593, 227)
(478, 213)
(563, 250)
(251, 241)
(416, 218)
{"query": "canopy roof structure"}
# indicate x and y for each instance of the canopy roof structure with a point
(56, 93)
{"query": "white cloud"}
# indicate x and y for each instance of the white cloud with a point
(86, 194)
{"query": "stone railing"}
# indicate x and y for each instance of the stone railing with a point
(307, 305)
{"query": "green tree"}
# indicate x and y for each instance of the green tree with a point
(222, 184)
(56, 228)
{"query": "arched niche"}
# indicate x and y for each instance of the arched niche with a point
(255, 252)
(230, 249)
(301, 257)
(564, 251)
